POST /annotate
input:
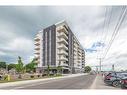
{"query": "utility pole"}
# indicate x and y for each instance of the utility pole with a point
(113, 67)
(96, 68)
(7, 68)
(100, 63)
(100, 60)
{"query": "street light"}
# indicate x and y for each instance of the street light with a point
(7, 68)
(35, 66)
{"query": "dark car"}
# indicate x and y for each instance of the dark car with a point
(104, 74)
(123, 81)
(113, 78)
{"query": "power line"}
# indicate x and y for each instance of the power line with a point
(99, 51)
(105, 20)
(101, 37)
(122, 16)
(108, 24)
(113, 34)
(116, 30)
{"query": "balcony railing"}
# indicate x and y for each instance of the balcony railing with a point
(37, 53)
(37, 43)
(37, 48)
(62, 34)
(37, 39)
(62, 47)
(63, 59)
(63, 64)
(62, 29)
(62, 40)
(62, 52)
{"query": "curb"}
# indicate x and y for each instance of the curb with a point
(37, 80)
(93, 86)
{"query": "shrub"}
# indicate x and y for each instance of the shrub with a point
(32, 76)
(51, 74)
(44, 75)
(5, 77)
(20, 76)
(38, 76)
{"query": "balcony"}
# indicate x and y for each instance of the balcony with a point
(62, 34)
(37, 39)
(37, 53)
(37, 43)
(75, 44)
(63, 64)
(62, 52)
(37, 48)
(75, 53)
(79, 54)
(62, 40)
(62, 47)
(83, 55)
(62, 58)
(62, 29)
(79, 58)
(78, 61)
(75, 49)
(37, 57)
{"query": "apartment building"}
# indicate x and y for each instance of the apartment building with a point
(56, 46)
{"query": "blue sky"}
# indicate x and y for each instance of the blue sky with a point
(94, 47)
(19, 25)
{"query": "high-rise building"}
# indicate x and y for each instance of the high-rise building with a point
(56, 46)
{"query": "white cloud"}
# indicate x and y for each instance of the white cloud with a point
(21, 44)
(18, 47)
(2, 53)
(7, 30)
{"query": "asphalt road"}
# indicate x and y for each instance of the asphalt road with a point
(80, 82)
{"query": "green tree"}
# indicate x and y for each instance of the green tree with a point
(19, 66)
(11, 66)
(87, 69)
(3, 65)
(31, 66)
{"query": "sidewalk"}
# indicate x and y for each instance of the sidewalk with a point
(99, 84)
(37, 80)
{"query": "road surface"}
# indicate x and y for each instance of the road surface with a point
(79, 82)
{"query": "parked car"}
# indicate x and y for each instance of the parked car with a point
(104, 74)
(113, 78)
(123, 81)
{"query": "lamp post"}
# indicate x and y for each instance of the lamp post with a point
(35, 66)
(7, 68)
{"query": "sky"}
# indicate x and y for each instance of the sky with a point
(92, 25)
